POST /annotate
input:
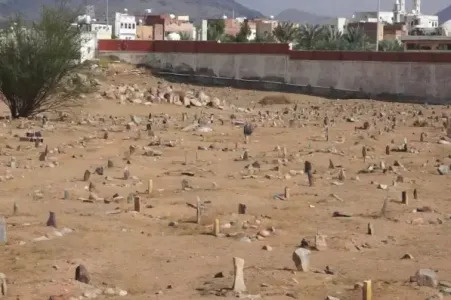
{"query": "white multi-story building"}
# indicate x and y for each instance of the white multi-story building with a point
(124, 26)
(103, 31)
(338, 24)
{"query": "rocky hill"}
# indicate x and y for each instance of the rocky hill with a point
(445, 14)
(299, 16)
(196, 9)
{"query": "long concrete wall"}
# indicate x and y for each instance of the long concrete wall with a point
(417, 81)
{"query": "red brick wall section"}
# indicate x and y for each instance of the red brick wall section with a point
(259, 48)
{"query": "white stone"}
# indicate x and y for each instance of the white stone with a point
(301, 258)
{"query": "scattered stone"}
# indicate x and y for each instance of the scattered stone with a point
(242, 208)
(267, 248)
(301, 258)
(264, 233)
(332, 298)
(52, 219)
(435, 297)
(407, 256)
(219, 275)
(320, 242)
(443, 169)
(3, 226)
(425, 277)
(81, 274)
(3, 287)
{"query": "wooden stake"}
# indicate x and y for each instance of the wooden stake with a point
(367, 290)
(405, 198)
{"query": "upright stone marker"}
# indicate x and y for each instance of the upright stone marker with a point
(415, 194)
(301, 258)
(242, 209)
(387, 150)
(81, 274)
(3, 287)
(87, 175)
(405, 198)
(150, 186)
(52, 219)
(216, 228)
(137, 204)
(367, 290)
(198, 211)
(287, 193)
(238, 281)
(3, 237)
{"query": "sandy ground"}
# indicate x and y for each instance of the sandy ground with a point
(141, 254)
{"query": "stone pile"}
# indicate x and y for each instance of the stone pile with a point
(162, 94)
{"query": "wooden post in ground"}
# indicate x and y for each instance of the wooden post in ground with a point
(367, 290)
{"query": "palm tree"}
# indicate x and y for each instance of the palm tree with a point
(267, 37)
(309, 36)
(285, 32)
(356, 39)
(391, 46)
(244, 33)
(185, 36)
(330, 39)
(215, 30)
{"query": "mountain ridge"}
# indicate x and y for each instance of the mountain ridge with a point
(196, 9)
(444, 15)
(299, 16)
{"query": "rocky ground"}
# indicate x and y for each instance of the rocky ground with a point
(92, 170)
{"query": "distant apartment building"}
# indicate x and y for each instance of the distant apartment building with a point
(338, 24)
(394, 31)
(265, 27)
(167, 26)
(370, 30)
(426, 43)
(103, 31)
(124, 26)
(144, 32)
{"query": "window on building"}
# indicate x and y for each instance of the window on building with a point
(134, 26)
(122, 25)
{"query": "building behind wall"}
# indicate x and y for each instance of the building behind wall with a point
(124, 26)
(144, 32)
(167, 25)
(370, 30)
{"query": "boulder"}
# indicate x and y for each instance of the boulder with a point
(301, 258)
(443, 169)
(425, 277)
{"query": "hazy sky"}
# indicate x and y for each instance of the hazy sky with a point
(337, 7)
